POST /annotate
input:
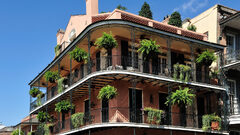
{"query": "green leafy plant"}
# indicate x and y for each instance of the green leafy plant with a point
(148, 48)
(153, 115)
(79, 55)
(181, 72)
(16, 132)
(43, 116)
(51, 76)
(121, 7)
(106, 41)
(108, 92)
(31, 133)
(77, 119)
(208, 118)
(181, 96)
(60, 84)
(34, 92)
(192, 27)
(43, 129)
(63, 106)
(206, 58)
(145, 11)
(175, 19)
(57, 50)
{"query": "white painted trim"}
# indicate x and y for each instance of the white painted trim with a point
(150, 76)
(137, 125)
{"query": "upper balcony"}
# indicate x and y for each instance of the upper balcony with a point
(126, 61)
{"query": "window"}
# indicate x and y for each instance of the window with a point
(72, 35)
(230, 42)
(232, 94)
(53, 91)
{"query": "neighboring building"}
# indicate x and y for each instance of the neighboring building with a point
(139, 83)
(6, 130)
(223, 26)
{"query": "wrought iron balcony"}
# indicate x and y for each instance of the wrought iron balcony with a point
(232, 56)
(128, 116)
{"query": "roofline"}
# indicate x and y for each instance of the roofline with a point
(121, 22)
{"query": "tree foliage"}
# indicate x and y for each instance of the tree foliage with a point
(121, 7)
(192, 27)
(146, 11)
(175, 19)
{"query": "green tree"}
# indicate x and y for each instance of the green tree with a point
(146, 11)
(175, 19)
(121, 7)
(192, 27)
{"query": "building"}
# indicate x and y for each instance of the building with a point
(140, 83)
(5, 130)
(224, 29)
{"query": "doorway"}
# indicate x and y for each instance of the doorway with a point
(135, 104)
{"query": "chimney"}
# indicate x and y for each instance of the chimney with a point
(60, 34)
(91, 7)
(166, 19)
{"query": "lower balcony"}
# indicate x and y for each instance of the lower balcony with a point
(137, 118)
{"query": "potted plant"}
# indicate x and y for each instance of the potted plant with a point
(79, 55)
(181, 72)
(43, 116)
(63, 106)
(61, 83)
(214, 76)
(211, 121)
(77, 119)
(34, 92)
(153, 115)
(108, 92)
(51, 76)
(149, 49)
(206, 58)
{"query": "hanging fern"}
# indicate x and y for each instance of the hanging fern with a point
(181, 96)
(206, 58)
(153, 115)
(43, 116)
(106, 41)
(63, 106)
(51, 76)
(108, 92)
(79, 55)
(149, 49)
(34, 92)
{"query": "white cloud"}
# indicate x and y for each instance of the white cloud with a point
(192, 5)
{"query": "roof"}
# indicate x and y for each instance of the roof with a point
(231, 17)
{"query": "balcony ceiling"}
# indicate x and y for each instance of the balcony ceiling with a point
(232, 21)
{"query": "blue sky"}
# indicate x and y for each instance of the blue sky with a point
(28, 36)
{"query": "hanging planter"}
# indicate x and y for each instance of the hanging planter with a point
(106, 41)
(153, 115)
(77, 119)
(181, 96)
(206, 58)
(149, 49)
(211, 121)
(108, 92)
(57, 50)
(34, 92)
(43, 116)
(51, 76)
(79, 55)
(63, 106)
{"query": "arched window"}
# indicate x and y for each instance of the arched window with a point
(72, 35)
